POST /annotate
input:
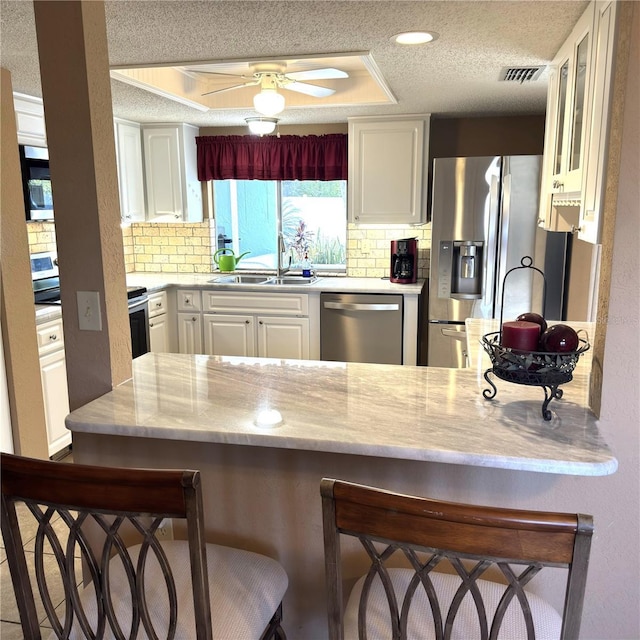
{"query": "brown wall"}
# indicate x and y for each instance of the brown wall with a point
(515, 135)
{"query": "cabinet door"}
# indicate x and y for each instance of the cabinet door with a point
(53, 373)
(386, 171)
(158, 304)
(159, 334)
(229, 335)
(130, 175)
(163, 174)
(597, 140)
(29, 120)
(570, 114)
(189, 333)
(283, 337)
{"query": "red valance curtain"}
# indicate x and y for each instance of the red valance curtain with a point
(272, 158)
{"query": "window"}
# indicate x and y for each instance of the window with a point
(310, 214)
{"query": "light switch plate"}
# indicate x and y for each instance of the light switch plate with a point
(89, 316)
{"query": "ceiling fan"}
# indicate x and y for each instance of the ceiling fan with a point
(271, 76)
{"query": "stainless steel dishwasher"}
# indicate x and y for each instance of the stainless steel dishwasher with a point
(358, 327)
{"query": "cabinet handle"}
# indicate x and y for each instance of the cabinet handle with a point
(575, 229)
(150, 325)
(187, 300)
(259, 322)
(558, 185)
(158, 305)
(53, 337)
(193, 319)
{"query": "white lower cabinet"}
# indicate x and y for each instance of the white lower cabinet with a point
(190, 332)
(158, 323)
(280, 337)
(159, 334)
(188, 303)
(271, 325)
(262, 336)
(229, 335)
(53, 375)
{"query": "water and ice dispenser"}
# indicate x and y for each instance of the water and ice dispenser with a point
(460, 269)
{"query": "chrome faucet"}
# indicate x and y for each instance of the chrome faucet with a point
(282, 250)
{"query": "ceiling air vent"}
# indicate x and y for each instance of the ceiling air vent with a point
(520, 74)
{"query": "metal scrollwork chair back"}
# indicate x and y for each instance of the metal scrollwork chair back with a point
(442, 570)
(96, 533)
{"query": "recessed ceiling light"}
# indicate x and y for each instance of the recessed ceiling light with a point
(415, 37)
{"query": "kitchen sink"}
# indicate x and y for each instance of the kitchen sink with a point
(291, 280)
(240, 279)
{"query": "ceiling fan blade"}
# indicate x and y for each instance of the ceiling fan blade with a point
(318, 74)
(309, 89)
(235, 86)
(218, 73)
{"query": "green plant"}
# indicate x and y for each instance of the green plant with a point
(328, 251)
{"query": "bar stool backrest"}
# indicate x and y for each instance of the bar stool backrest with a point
(428, 562)
(68, 501)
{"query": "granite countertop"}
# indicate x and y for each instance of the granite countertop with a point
(158, 281)
(402, 412)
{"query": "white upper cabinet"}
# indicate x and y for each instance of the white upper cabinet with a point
(29, 120)
(593, 184)
(576, 125)
(130, 170)
(174, 193)
(388, 170)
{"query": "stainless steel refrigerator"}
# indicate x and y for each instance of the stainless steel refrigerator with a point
(483, 222)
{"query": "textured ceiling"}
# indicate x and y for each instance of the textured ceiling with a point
(458, 74)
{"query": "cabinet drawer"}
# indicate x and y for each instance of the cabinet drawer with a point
(188, 300)
(157, 303)
(50, 336)
(282, 304)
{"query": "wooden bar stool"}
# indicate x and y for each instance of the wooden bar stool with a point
(138, 585)
(429, 561)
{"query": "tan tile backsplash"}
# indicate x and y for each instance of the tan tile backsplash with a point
(369, 249)
(170, 248)
(188, 247)
(42, 236)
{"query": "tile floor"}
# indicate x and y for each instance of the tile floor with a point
(10, 628)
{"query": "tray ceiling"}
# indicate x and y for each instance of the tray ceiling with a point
(456, 75)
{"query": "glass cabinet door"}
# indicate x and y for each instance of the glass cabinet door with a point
(578, 115)
(563, 86)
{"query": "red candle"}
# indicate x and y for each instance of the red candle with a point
(520, 335)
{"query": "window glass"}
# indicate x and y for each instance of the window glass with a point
(312, 216)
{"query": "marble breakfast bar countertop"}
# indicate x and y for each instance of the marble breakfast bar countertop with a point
(401, 412)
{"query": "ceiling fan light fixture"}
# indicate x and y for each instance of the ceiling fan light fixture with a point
(415, 37)
(268, 102)
(261, 126)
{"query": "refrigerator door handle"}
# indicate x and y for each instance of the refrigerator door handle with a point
(456, 334)
(503, 241)
(492, 244)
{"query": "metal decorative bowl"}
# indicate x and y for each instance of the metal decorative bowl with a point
(535, 368)
(531, 367)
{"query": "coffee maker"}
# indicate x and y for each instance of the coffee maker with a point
(404, 261)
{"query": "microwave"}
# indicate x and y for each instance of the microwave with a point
(36, 182)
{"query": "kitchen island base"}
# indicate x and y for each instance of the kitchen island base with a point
(268, 500)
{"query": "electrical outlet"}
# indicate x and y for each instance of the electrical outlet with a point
(89, 316)
(165, 530)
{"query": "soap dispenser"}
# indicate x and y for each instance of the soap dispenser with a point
(306, 266)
